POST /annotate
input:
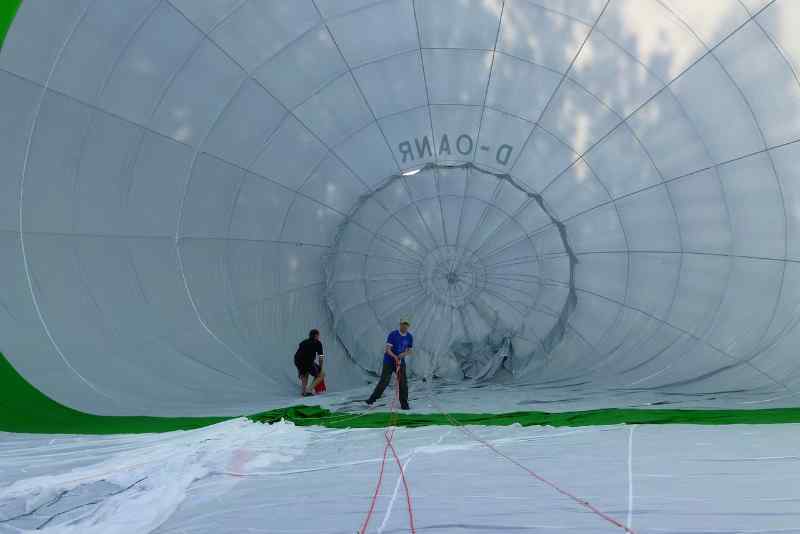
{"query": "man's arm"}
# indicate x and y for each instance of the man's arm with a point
(390, 352)
(410, 348)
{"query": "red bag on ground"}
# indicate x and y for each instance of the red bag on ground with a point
(320, 388)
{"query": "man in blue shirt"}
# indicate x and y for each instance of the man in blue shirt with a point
(398, 345)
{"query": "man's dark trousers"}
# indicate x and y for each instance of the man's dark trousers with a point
(386, 376)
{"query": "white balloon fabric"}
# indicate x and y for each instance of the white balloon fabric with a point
(432, 245)
(189, 186)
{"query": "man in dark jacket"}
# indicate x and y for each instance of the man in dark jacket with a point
(305, 359)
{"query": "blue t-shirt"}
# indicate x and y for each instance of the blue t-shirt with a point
(399, 342)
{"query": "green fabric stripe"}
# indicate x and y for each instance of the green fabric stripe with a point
(23, 408)
(8, 9)
(314, 415)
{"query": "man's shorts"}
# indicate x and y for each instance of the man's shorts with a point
(303, 369)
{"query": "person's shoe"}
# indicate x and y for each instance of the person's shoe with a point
(369, 402)
(405, 407)
(308, 394)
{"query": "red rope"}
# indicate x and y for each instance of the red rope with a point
(389, 436)
(405, 488)
(363, 529)
(586, 504)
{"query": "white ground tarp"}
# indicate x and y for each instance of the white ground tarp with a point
(247, 477)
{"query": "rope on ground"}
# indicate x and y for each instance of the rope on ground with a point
(405, 488)
(584, 503)
(364, 526)
(389, 437)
